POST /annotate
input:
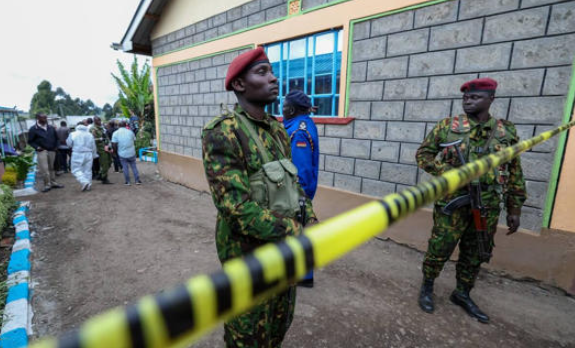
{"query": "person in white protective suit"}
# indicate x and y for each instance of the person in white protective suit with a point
(83, 151)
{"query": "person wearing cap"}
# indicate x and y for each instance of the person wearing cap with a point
(480, 134)
(304, 147)
(238, 147)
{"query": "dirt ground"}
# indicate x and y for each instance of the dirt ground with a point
(107, 247)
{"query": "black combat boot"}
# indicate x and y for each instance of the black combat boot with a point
(462, 299)
(106, 181)
(426, 296)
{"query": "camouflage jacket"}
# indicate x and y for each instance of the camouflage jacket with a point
(230, 158)
(99, 134)
(436, 160)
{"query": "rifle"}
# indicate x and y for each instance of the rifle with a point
(473, 198)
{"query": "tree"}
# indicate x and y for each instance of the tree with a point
(108, 111)
(43, 101)
(134, 91)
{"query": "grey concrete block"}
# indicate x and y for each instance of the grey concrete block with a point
(219, 19)
(461, 34)
(532, 3)
(271, 3)
(562, 18)
(387, 111)
(433, 63)
(406, 89)
(199, 37)
(325, 178)
(536, 194)
(399, 173)
(194, 65)
(369, 49)
(531, 218)
(557, 50)
(448, 86)
(217, 86)
(516, 25)
(386, 68)
(358, 72)
(437, 14)
(250, 8)
(414, 41)
(524, 131)
(478, 8)
(366, 91)
(276, 12)
(240, 24)
(320, 129)
(483, 58)
(557, 81)
(407, 153)
(538, 110)
(355, 148)
(222, 70)
(548, 146)
(338, 164)
(204, 86)
(206, 62)
(233, 14)
(339, 131)
(367, 169)
(211, 73)
(537, 166)
(392, 24)
(347, 183)
(377, 188)
(412, 132)
(225, 29)
(211, 34)
(361, 30)
(518, 82)
(428, 110)
(307, 4)
(359, 110)
(369, 130)
(321, 164)
(256, 18)
(329, 146)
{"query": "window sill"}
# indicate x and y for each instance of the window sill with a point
(328, 120)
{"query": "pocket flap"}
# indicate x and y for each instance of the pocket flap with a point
(274, 171)
(289, 166)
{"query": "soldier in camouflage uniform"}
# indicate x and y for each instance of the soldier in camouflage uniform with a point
(102, 146)
(231, 157)
(481, 134)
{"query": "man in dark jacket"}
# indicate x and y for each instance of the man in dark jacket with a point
(44, 139)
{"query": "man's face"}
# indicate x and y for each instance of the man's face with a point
(287, 109)
(477, 102)
(42, 119)
(97, 121)
(259, 84)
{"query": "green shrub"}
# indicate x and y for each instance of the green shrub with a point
(143, 139)
(21, 163)
(10, 178)
(7, 204)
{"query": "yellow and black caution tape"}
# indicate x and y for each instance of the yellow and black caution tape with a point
(178, 317)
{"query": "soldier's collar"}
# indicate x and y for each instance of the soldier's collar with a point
(489, 124)
(266, 120)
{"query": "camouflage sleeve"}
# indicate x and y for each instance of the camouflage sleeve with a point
(229, 184)
(515, 193)
(427, 151)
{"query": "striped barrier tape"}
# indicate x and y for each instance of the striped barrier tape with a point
(178, 317)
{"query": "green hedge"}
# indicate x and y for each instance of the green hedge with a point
(7, 205)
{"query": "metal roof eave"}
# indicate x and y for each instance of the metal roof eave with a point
(142, 25)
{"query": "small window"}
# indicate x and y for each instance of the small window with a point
(311, 64)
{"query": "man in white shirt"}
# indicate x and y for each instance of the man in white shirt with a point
(123, 144)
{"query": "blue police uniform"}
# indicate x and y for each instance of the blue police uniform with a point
(305, 151)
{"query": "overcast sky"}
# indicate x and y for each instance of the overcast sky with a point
(66, 42)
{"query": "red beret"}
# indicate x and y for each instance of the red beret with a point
(243, 62)
(484, 84)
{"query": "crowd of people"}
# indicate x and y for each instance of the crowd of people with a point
(87, 152)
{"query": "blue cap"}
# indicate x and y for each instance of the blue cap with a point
(298, 98)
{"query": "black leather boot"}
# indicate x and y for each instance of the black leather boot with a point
(426, 296)
(462, 299)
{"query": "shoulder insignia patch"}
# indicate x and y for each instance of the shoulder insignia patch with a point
(302, 125)
(301, 144)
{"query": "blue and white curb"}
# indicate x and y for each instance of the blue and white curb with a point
(17, 313)
(29, 181)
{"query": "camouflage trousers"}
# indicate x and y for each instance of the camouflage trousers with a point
(264, 326)
(105, 160)
(446, 233)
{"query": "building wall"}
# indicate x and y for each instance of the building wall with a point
(405, 73)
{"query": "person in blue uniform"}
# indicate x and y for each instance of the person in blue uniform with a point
(304, 146)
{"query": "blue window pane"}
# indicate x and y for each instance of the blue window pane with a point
(323, 84)
(323, 106)
(296, 84)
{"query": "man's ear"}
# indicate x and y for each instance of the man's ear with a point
(238, 85)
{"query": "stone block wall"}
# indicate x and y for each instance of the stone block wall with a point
(189, 96)
(405, 76)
